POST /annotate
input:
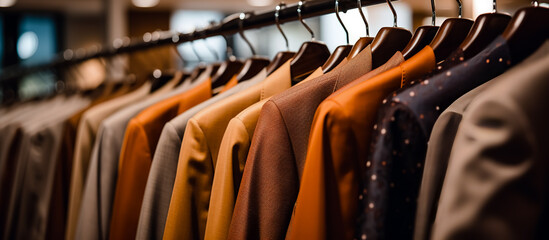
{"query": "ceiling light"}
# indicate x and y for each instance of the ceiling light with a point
(27, 45)
(260, 3)
(144, 3)
(7, 3)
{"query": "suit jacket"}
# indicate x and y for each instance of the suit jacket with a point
(199, 150)
(139, 145)
(11, 133)
(436, 160)
(326, 207)
(230, 165)
(158, 190)
(60, 194)
(97, 199)
(37, 157)
(85, 137)
(497, 175)
(273, 167)
(439, 148)
(394, 166)
(233, 152)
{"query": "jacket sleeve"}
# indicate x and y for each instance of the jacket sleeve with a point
(326, 204)
(133, 168)
(228, 172)
(158, 190)
(494, 187)
(188, 209)
(269, 183)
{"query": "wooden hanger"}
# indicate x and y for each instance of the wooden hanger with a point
(253, 65)
(422, 36)
(451, 34)
(311, 54)
(227, 69)
(281, 57)
(388, 41)
(278, 60)
(485, 29)
(363, 41)
(527, 31)
(342, 51)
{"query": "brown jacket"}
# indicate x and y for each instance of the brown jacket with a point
(327, 204)
(270, 181)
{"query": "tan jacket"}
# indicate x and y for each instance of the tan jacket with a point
(230, 165)
(158, 191)
(199, 150)
(85, 137)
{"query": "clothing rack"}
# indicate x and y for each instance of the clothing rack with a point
(228, 26)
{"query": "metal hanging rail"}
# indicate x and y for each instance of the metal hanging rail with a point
(228, 26)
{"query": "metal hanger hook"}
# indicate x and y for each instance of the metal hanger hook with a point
(209, 47)
(341, 22)
(535, 3)
(434, 17)
(194, 49)
(359, 4)
(212, 50)
(299, 5)
(196, 52)
(459, 8)
(394, 13)
(241, 32)
(277, 14)
(494, 6)
(229, 49)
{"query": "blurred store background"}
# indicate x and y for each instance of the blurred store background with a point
(34, 31)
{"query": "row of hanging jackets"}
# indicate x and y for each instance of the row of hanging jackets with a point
(409, 149)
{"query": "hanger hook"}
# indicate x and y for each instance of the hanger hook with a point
(196, 52)
(494, 6)
(277, 14)
(229, 49)
(535, 3)
(359, 4)
(434, 17)
(194, 49)
(212, 50)
(299, 5)
(394, 13)
(341, 22)
(459, 8)
(241, 32)
(216, 55)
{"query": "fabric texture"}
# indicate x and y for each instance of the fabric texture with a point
(158, 190)
(394, 166)
(136, 155)
(440, 146)
(233, 152)
(37, 157)
(327, 206)
(188, 209)
(99, 187)
(496, 181)
(85, 137)
(274, 163)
